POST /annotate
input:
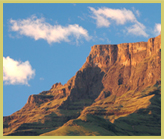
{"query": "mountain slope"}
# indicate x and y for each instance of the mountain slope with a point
(116, 92)
(140, 115)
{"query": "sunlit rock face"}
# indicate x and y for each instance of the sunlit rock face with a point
(136, 65)
(111, 84)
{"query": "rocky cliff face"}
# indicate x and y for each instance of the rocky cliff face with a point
(109, 73)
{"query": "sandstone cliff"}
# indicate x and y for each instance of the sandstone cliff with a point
(115, 81)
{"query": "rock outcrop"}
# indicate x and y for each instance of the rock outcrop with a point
(111, 76)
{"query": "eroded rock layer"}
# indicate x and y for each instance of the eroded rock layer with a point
(115, 81)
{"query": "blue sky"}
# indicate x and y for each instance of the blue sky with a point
(48, 43)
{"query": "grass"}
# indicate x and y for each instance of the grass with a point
(80, 127)
(134, 113)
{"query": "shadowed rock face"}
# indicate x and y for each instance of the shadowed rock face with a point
(110, 71)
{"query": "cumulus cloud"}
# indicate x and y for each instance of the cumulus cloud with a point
(137, 29)
(17, 72)
(40, 29)
(120, 16)
(105, 16)
(157, 28)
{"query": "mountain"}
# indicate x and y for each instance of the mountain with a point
(116, 92)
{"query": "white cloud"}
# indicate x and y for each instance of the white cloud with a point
(157, 29)
(137, 29)
(137, 12)
(101, 21)
(105, 16)
(17, 72)
(39, 29)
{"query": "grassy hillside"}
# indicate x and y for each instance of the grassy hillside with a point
(111, 117)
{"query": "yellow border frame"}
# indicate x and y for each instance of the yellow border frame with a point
(79, 1)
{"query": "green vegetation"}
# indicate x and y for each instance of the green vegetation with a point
(134, 113)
